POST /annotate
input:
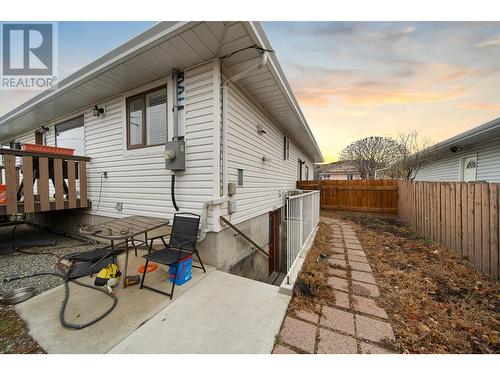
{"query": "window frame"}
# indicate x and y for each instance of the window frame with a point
(142, 95)
(286, 148)
(240, 173)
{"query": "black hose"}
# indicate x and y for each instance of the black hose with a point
(66, 297)
(172, 192)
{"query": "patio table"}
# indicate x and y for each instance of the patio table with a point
(125, 230)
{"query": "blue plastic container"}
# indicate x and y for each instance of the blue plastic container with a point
(185, 271)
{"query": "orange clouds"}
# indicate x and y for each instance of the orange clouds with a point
(481, 106)
(421, 83)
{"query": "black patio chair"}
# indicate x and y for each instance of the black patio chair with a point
(182, 243)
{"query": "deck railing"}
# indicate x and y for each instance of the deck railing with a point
(38, 181)
(300, 215)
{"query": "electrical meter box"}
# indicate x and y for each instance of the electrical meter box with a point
(231, 206)
(175, 155)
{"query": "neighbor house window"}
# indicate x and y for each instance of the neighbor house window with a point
(349, 176)
(286, 148)
(307, 173)
(147, 119)
(240, 177)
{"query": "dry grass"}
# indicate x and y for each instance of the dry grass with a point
(314, 275)
(438, 303)
(14, 337)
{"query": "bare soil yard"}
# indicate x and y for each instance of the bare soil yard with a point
(437, 302)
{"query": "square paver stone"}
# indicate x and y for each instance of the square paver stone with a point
(366, 277)
(338, 242)
(358, 258)
(341, 299)
(368, 306)
(355, 252)
(350, 236)
(373, 329)
(337, 272)
(280, 349)
(335, 343)
(299, 334)
(339, 320)
(338, 283)
(307, 315)
(373, 349)
(337, 256)
(337, 263)
(358, 266)
(353, 246)
(364, 289)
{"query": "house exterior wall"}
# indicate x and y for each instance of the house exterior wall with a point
(263, 182)
(447, 168)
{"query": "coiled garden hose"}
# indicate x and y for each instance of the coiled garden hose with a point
(66, 297)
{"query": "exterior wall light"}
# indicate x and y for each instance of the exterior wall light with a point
(98, 111)
(454, 149)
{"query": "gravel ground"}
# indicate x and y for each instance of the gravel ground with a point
(14, 335)
(18, 263)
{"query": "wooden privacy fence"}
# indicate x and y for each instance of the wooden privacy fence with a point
(356, 195)
(463, 216)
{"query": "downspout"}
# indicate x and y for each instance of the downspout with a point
(224, 92)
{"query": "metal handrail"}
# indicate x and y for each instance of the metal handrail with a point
(306, 192)
(228, 223)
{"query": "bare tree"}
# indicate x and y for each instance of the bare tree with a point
(370, 154)
(413, 151)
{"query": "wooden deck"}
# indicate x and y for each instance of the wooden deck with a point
(28, 177)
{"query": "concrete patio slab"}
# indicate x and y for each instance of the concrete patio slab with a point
(355, 252)
(223, 314)
(134, 307)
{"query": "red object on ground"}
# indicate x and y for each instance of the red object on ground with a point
(151, 268)
(3, 195)
(48, 149)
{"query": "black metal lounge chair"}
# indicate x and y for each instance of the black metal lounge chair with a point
(181, 244)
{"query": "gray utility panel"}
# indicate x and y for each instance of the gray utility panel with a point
(175, 155)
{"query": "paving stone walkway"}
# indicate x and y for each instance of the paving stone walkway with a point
(353, 323)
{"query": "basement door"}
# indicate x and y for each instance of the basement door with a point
(274, 217)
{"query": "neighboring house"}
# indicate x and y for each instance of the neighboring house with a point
(339, 170)
(470, 156)
(208, 84)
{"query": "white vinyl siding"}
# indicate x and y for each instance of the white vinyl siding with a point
(140, 179)
(447, 168)
(263, 180)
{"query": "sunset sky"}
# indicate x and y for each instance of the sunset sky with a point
(354, 79)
